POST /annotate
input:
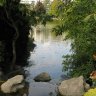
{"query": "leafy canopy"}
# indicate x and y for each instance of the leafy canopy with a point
(2, 2)
(79, 22)
(55, 7)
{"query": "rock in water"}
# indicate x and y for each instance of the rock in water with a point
(12, 84)
(43, 77)
(72, 87)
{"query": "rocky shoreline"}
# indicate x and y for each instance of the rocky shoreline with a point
(43, 86)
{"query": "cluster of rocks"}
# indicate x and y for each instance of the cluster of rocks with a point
(71, 87)
(42, 86)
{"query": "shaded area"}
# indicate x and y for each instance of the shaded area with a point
(8, 34)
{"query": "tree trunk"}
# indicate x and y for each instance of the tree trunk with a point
(12, 24)
(14, 49)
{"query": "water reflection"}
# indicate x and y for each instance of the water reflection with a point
(47, 55)
(44, 35)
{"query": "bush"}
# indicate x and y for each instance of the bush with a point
(91, 92)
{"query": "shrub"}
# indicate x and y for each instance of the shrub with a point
(91, 92)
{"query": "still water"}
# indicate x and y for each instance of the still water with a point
(47, 55)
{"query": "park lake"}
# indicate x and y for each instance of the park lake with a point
(47, 55)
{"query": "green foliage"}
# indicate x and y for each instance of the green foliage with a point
(39, 8)
(47, 5)
(2, 2)
(91, 92)
(14, 12)
(16, 18)
(79, 22)
(55, 7)
(40, 14)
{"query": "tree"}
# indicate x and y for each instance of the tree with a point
(47, 5)
(55, 7)
(79, 23)
(41, 15)
(39, 8)
(15, 22)
(15, 25)
(8, 19)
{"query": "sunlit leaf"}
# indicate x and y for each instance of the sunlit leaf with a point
(87, 18)
(95, 16)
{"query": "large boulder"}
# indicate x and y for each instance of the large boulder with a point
(12, 84)
(42, 89)
(72, 87)
(43, 77)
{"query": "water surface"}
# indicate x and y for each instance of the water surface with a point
(47, 55)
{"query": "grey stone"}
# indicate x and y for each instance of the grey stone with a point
(72, 87)
(43, 77)
(12, 84)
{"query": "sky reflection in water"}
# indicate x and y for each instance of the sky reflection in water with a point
(47, 55)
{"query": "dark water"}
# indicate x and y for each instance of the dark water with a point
(47, 55)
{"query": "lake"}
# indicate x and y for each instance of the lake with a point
(47, 55)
